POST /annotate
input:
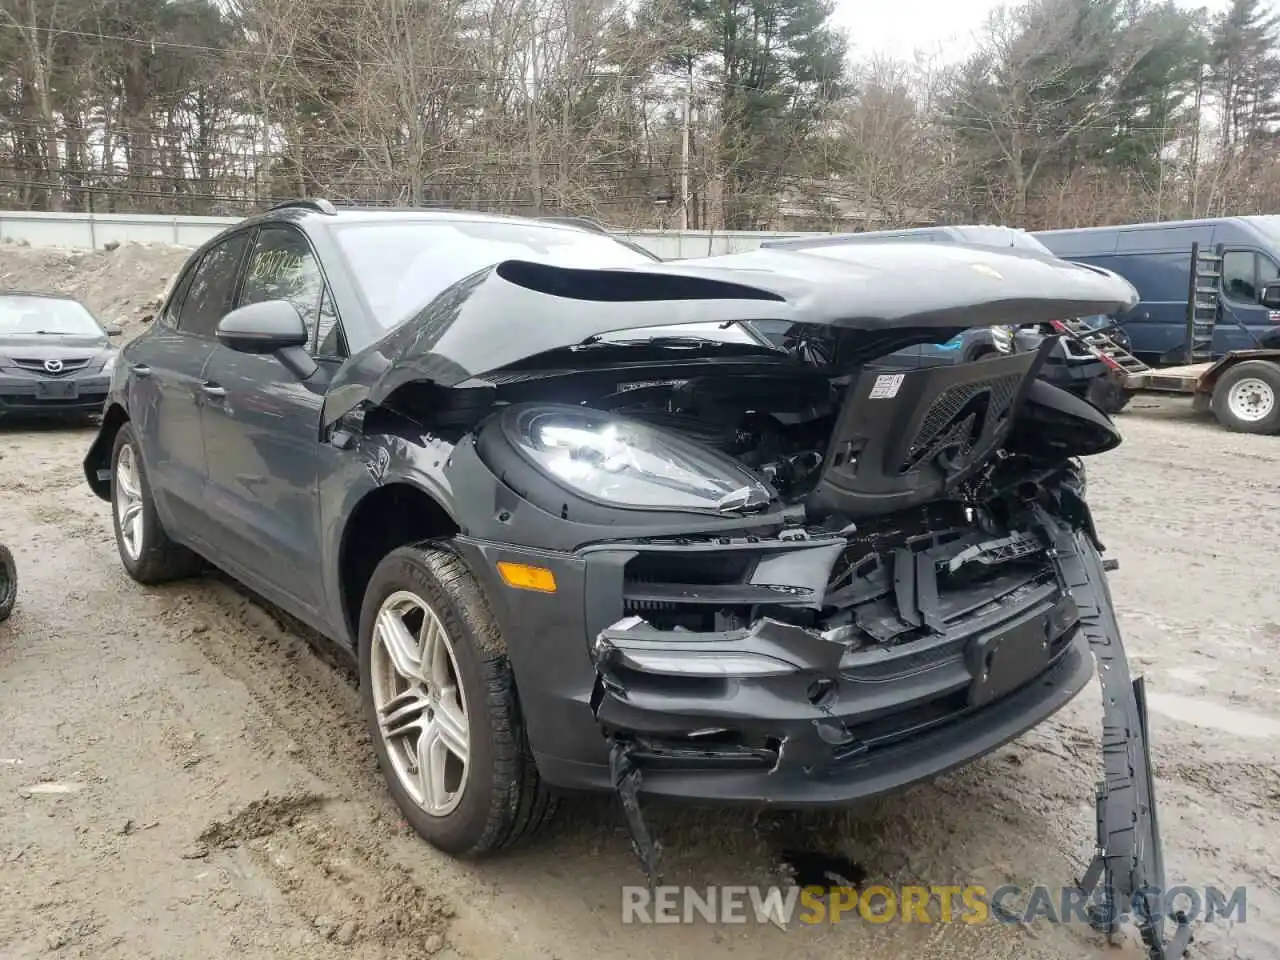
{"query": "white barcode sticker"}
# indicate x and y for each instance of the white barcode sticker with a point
(886, 386)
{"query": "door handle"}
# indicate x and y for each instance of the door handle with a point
(140, 370)
(212, 390)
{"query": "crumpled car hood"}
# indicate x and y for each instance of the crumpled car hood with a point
(519, 309)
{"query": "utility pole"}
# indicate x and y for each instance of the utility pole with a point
(684, 151)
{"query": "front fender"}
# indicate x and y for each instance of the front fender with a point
(375, 462)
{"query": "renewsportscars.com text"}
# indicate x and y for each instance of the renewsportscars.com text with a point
(971, 904)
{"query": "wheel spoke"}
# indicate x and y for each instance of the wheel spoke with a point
(135, 531)
(131, 515)
(400, 644)
(432, 758)
(451, 724)
(125, 475)
(402, 714)
(435, 655)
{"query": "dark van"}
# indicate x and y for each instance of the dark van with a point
(1156, 259)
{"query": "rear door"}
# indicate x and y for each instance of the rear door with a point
(165, 390)
(262, 430)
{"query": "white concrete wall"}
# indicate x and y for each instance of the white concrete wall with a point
(91, 231)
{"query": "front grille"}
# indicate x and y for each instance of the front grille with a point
(662, 587)
(69, 365)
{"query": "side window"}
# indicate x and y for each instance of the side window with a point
(213, 288)
(329, 340)
(1268, 272)
(282, 267)
(169, 316)
(1238, 276)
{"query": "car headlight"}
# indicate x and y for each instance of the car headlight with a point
(109, 365)
(627, 463)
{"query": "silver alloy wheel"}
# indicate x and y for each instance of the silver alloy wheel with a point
(419, 701)
(129, 502)
(1251, 399)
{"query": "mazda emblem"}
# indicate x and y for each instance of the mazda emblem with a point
(53, 366)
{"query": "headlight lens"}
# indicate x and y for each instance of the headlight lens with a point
(631, 464)
(109, 365)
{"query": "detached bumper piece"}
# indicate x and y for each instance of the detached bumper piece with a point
(1128, 868)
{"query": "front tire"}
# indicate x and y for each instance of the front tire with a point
(1246, 399)
(439, 699)
(147, 553)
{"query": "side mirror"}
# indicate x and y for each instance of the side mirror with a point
(112, 331)
(1270, 296)
(270, 328)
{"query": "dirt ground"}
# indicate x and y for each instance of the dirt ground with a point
(183, 775)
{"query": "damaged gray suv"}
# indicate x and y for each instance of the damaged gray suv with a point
(581, 527)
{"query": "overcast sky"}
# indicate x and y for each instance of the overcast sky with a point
(941, 27)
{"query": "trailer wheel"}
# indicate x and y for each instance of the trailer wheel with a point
(1246, 399)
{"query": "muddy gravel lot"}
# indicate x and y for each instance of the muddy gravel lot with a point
(183, 772)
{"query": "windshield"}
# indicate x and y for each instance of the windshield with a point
(34, 316)
(401, 267)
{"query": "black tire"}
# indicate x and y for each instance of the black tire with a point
(1267, 375)
(503, 800)
(983, 353)
(8, 583)
(159, 559)
(1107, 395)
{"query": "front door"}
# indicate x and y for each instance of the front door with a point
(166, 386)
(262, 430)
(1244, 273)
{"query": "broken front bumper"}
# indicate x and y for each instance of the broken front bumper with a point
(779, 715)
